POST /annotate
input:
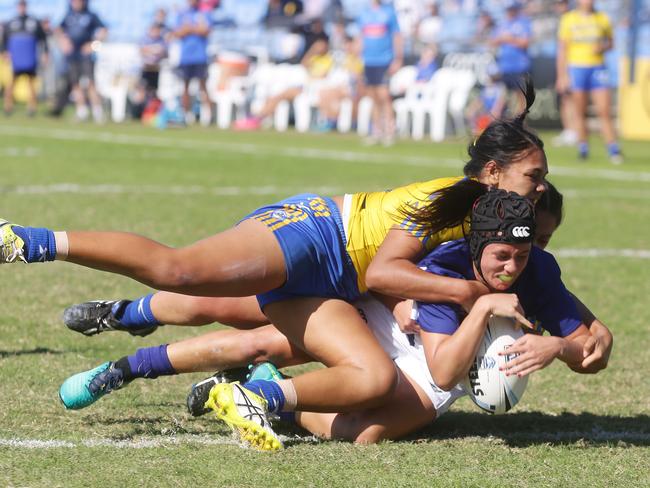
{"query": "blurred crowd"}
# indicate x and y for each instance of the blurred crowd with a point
(348, 50)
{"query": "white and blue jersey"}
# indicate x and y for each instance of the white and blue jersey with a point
(194, 48)
(513, 59)
(21, 36)
(540, 290)
(378, 26)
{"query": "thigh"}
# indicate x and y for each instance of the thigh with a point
(602, 101)
(359, 373)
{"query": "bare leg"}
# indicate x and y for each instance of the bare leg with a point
(359, 374)
(602, 101)
(225, 349)
(271, 104)
(580, 102)
(185, 99)
(386, 115)
(241, 261)
(407, 410)
(31, 100)
(9, 96)
(177, 309)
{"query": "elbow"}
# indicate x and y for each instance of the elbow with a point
(444, 381)
(376, 278)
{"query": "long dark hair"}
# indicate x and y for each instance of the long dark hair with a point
(504, 141)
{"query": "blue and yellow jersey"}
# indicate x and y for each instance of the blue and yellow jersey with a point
(372, 215)
(582, 34)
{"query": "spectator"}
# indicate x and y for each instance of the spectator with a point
(21, 38)
(192, 29)
(343, 84)
(490, 104)
(80, 35)
(568, 136)
(318, 63)
(511, 38)
(428, 30)
(584, 36)
(484, 29)
(314, 32)
(160, 18)
(382, 54)
(427, 64)
(153, 49)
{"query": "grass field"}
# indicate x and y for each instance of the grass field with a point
(179, 186)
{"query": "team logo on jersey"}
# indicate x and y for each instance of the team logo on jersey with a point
(279, 214)
(521, 231)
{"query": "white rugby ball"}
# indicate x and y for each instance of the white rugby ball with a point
(488, 387)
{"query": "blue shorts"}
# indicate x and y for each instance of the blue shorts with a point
(309, 229)
(376, 75)
(589, 78)
(188, 72)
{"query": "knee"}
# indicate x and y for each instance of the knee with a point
(378, 382)
(354, 427)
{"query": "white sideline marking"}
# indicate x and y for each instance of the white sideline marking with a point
(602, 253)
(116, 188)
(304, 153)
(144, 443)
(223, 191)
(596, 435)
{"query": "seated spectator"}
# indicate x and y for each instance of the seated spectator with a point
(344, 83)
(153, 49)
(427, 64)
(318, 63)
(490, 104)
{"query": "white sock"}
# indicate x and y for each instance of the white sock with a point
(290, 396)
(62, 247)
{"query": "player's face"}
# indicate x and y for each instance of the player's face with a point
(502, 264)
(545, 226)
(525, 176)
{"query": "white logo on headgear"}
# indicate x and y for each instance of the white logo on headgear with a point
(521, 231)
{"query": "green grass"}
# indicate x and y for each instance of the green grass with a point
(179, 186)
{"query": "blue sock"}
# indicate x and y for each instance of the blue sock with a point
(613, 149)
(136, 313)
(40, 245)
(150, 362)
(288, 417)
(269, 390)
(583, 149)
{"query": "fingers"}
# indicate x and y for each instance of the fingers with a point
(589, 346)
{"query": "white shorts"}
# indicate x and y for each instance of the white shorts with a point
(406, 350)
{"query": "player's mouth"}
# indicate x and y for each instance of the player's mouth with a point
(505, 278)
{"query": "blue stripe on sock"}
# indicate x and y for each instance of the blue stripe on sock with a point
(270, 391)
(138, 313)
(151, 362)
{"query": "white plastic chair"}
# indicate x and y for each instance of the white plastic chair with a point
(117, 69)
(465, 82)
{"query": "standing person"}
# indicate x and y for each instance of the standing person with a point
(568, 136)
(382, 54)
(21, 38)
(512, 37)
(193, 29)
(80, 34)
(584, 36)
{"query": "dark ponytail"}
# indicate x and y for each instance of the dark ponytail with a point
(504, 141)
(449, 207)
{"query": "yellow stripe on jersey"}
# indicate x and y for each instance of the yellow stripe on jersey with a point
(583, 33)
(373, 214)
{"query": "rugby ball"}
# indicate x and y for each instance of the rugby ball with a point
(488, 387)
